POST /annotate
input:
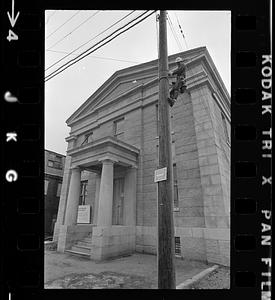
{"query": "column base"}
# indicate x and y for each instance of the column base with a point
(70, 234)
(113, 241)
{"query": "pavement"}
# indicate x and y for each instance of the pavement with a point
(139, 271)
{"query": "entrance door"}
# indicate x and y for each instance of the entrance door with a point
(118, 201)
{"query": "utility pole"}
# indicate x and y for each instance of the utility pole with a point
(166, 243)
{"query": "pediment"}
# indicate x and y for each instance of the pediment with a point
(124, 81)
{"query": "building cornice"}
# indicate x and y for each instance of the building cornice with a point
(150, 66)
(224, 102)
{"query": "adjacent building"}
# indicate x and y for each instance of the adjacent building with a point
(54, 168)
(108, 202)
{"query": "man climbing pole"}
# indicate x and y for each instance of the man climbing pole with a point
(179, 86)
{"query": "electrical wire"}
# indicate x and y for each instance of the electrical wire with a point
(63, 24)
(99, 57)
(157, 32)
(49, 17)
(78, 58)
(60, 40)
(89, 40)
(181, 31)
(174, 33)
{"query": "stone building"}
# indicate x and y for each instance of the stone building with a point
(54, 168)
(113, 152)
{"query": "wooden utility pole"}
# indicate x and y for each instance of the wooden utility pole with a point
(166, 246)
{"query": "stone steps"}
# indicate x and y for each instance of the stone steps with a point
(82, 248)
(84, 244)
(82, 254)
(86, 239)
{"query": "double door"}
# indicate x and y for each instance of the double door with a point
(118, 201)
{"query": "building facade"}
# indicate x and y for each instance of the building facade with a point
(54, 168)
(113, 153)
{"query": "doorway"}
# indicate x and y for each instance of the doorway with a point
(118, 201)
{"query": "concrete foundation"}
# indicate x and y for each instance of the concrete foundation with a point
(108, 242)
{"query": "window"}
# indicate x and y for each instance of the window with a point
(88, 137)
(119, 128)
(58, 158)
(46, 184)
(176, 193)
(58, 190)
(55, 164)
(83, 192)
(177, 246)
(225, 128)
(51, 163)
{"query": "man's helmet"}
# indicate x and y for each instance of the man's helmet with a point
(178, 59)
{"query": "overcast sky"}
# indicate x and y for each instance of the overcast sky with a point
(67, 91)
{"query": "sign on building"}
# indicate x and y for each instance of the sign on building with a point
(84, 214)
(160, 174)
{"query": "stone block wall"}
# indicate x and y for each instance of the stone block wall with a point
(108, 242)
(214, 191)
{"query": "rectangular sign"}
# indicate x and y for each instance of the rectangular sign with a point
(160, 174)
(84, 214)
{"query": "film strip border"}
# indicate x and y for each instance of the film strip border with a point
(22, 145)
(251, 168)
(22, 160)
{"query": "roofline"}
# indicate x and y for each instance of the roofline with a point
(54, 152)
(118, 73)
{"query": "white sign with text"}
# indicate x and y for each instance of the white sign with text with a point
(84, 214)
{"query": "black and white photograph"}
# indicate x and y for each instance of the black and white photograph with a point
(137, 149)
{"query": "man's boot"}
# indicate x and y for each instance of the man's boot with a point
(171, 101)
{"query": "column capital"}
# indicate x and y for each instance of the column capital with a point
(133, 167)
(107, 159)
(75, 168)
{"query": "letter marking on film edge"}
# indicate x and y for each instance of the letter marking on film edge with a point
(9, 97)
(11, 136)
(266, 225)
(12, 36)
(11, 175)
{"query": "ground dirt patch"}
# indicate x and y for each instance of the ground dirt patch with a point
(103, 280)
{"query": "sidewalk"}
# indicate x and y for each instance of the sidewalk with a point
(136, 271)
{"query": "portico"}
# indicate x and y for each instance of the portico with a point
(113, 230)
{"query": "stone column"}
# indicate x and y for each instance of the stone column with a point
(97, 188)
(105, 201)
(63, 197)
(73, 197)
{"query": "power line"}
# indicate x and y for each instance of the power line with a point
(90, 40)
(63, 24)
(60, 40)
(181, 31)
(99, 57)
(76, 60)
(157, 32)
(97, 43)
(174, 33)
(49, 17)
